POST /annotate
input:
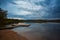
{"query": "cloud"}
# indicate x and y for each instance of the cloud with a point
(14, 10)
(27, 5)
(15, 18)
(24, 8)
(22, 12)
(32, 9)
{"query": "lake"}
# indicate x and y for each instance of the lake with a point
(40, 31)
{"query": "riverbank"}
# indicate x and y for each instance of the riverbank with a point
(10, 35)
(11, 26)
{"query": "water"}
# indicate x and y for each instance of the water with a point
(40, 31)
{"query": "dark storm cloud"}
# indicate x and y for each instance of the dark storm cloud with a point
(53, 7)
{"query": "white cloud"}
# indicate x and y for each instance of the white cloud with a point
(23, 5)
(28, 8)
(22, 12)
(15, 18)
(27, 5)
(14, 10)
(36, 0)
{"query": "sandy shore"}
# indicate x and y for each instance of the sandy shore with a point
(10, 35)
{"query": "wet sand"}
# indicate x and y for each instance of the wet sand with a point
(10, 35)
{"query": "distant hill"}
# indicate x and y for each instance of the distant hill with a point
(11, 21)
(40, 21)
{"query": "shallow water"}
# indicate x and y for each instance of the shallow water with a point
(40, 31)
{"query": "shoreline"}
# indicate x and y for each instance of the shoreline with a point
(11, 26)
(10, 35)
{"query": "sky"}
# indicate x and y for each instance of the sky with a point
(32, 9)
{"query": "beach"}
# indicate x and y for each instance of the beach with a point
(10, 35)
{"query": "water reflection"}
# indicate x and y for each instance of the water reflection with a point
(40, 31)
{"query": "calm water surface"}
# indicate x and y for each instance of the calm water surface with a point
(40, 31)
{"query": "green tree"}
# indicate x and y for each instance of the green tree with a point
(3, 16)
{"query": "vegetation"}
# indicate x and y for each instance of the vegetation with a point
(11, 21)
(3, 16)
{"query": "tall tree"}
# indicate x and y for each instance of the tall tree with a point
(3, 16)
